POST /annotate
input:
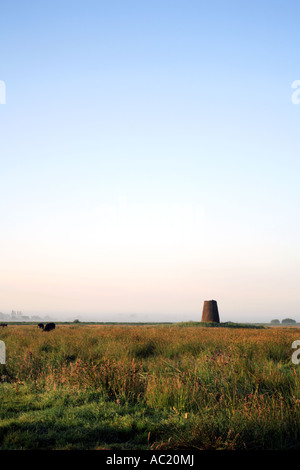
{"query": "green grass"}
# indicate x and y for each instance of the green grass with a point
(74, 420)
(149, 387)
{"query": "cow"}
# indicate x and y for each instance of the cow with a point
(41, 326)
(3, 325)
(49, 327)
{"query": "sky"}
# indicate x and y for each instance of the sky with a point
(149, 159)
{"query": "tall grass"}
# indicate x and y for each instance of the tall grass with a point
(204, 388)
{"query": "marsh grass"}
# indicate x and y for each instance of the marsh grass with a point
(148, 387)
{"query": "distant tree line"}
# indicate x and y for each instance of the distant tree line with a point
(285, 321)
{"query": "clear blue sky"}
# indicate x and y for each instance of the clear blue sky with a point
(165, 104)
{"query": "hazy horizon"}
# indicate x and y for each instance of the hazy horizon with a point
(155, 317)
(149, 159)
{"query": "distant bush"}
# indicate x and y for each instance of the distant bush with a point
(275, 322)
(288, 321)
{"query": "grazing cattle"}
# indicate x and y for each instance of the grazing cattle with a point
(3, 325)
(49, 327)
(41, 326)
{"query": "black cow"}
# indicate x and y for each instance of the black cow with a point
(3, 325)
(41, 326)
(49, 327)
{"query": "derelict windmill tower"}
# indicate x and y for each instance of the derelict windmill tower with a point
(210, 311)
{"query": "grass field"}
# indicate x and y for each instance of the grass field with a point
(149, 387)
